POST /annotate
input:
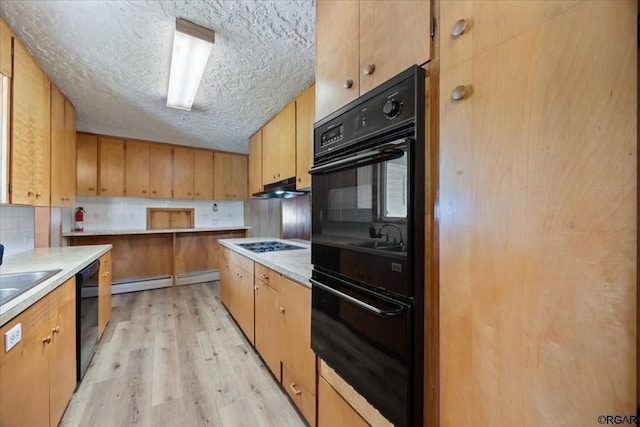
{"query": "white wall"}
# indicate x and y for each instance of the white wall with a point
(17, 228)
(108, 213)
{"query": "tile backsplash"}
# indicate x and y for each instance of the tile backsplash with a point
(17, 229)
(109, 213)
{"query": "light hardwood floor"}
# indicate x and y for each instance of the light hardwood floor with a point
(174, 357)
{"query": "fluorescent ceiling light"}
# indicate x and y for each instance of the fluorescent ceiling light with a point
(191, 48)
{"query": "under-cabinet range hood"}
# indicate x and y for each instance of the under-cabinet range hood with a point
(284, 189)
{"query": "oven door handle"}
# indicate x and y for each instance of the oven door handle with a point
(398, 311)
(386, 152)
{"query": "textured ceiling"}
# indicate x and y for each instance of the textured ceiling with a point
(112, 59)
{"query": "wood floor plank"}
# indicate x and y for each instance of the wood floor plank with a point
(175, 357)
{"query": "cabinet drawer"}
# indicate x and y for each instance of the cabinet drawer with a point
(304, 399)
(241, 260)
(267, 276)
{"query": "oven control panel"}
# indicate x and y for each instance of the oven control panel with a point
(384, 109)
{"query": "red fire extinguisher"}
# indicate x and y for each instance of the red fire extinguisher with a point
(79, 218)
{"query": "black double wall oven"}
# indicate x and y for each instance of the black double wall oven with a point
(367, 245)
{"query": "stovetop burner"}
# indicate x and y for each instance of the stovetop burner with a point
(270, 246)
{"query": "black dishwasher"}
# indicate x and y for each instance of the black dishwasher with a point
(86, 316)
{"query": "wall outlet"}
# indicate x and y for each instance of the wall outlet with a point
(12, 337)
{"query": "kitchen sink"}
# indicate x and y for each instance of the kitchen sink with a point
(14, 284)
(381, 246)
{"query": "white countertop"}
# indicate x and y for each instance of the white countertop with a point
(115, 232)
(70, 260)
(294, 264)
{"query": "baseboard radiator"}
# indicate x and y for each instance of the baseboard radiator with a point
(164, 281)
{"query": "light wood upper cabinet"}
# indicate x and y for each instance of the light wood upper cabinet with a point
(104, 292)
(30, 130)
(362, 44)
(203, 175)
(6, 36)
(182, 173)
(337, 46)
(305, 116)
(538, 187)
(111, 166)
(255, 163)
(63, 150)
(229, 176)
(69, 181)
(489, 23)
(279, 146)
(393, 36)
(137, 169)
(161, 171)
(86, 164)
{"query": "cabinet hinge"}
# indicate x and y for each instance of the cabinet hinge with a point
(433, 28)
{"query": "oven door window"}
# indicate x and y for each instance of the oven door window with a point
(359, 221)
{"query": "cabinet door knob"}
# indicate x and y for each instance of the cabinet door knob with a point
(144, 191)
(459, 28)
(46, 340)
(264, 277)
(459, 93)
(103, 189)
(294, 389)
(29, 193)
(282, 310)
(348, 84)
(369, 69)
(90, 188)
(56, 330)
(255, 288)
(38, 195)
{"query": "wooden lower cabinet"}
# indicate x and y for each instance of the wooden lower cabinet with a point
(225, 276)
(104, 293)
(333, 410)
(267, 320)
(38, 375)
(241, 303)
(298, 360)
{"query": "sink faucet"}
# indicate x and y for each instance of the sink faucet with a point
(376, 234)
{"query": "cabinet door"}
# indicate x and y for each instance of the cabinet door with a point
(393, 36)
(69, 171)
(5, 49)
(241, 299)
(305, 114)
(182, 173)
(337, 73)
(279, 146)
(137, 169)
(41, 161)
(111, 161)
(225, 277)
(229, 176)
(24, 371)
(333, 410)
(104, 293)
(267, 325)
(295, 344)
(59, 163)
(203, 175)
(86, 164)
(161, 171)
(524, 169)
(255, 163)
(489, 24)
(62, 364)
(30, 130)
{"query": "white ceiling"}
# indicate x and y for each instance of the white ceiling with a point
(112, 59)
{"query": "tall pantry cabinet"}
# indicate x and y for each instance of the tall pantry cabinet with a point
(537, 212)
